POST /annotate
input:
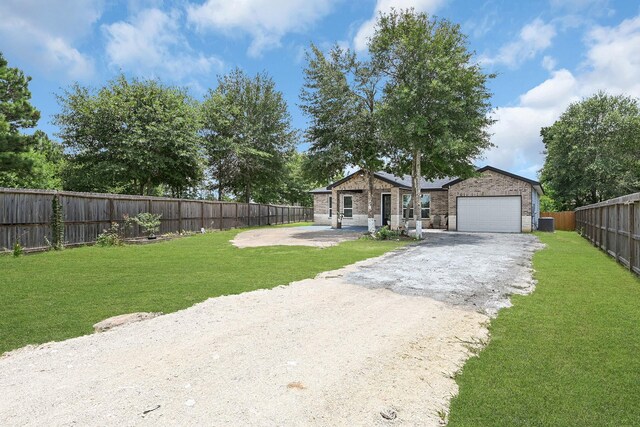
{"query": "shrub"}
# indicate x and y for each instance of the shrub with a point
(149, 222)
(17, 249)
(110, 237)
(385, 233)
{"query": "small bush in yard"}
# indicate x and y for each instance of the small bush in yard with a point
(149, 222)
(17, 249)
(110, 237)
(385, 233)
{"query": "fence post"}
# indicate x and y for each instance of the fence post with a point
(606, 227)
(259, 214)
(179, 216)
(631, 227)
(221, 216)
(111, 210)
(616, 238)
(202, 214)
(236, 222)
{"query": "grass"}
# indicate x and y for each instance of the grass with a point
(567, 355)
(59, 295)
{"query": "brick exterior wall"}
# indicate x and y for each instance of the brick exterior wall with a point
(321, 209)
(491, 183)
(439, 207)
(359, 183)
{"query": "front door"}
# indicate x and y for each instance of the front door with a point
(386, 209)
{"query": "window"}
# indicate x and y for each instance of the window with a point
(347, 202)
(330, 206)
(425, 206)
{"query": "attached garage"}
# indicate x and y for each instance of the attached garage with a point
(494, 201)
(497, 214)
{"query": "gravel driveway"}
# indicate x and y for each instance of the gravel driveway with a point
(310, 235)
(376, 343)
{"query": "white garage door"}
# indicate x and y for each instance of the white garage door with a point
(492, 214)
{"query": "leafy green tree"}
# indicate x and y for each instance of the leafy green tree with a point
(131, 136)
(340, 98)
(593, 151)
(436, 106)
(294, 186)
(248, 134)
(16, 113)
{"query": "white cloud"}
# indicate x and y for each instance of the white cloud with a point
(266, 21)
(151, 44)
(613, 59)
(549, 63)
(44, 33)
(534, 37)
(516, 133)
(612, 64)
(592, 7)
(366, 30)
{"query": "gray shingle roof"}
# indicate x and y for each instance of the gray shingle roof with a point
(437, 184)
(405, 181)
(320, 190)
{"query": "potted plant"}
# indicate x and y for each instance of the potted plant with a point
(149, 223)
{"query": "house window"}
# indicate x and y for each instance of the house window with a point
(330, 206)
(425, 206)
(347, 202)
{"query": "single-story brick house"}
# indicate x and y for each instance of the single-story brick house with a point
(494, 201)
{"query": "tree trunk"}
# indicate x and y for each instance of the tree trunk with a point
(371, 222)
(415, 189)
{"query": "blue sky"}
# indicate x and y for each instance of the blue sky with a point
(547, 53)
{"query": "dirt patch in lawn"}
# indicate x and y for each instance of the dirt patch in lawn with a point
(318, 236)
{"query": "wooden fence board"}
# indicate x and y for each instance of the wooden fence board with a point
(25, 215)
(614, 226)
(565, 220)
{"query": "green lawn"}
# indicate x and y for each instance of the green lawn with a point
(59, 295)
(567, 355)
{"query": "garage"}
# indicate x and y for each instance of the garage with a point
(499, 214)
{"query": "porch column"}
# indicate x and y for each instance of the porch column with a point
(335, 196)
(396, 210)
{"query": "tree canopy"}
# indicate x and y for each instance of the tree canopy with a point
(436, 106)
(340, 97)
(130, 136)
(16, 114)
(248, 135)
(593, 151)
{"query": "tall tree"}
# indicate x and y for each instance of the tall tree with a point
(436, 103)
(131, 136)
(340, 98)
(294, 186)
(16, 113)
(593, 151)
(248, 134)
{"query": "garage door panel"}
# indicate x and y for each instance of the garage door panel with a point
(490, 214)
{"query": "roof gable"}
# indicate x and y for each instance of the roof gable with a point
(535, 184)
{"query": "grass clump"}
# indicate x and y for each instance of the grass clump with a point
(567, 355)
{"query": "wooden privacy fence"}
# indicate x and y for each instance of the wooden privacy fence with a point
(614, 226)
(25, 215)
(565, 220)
